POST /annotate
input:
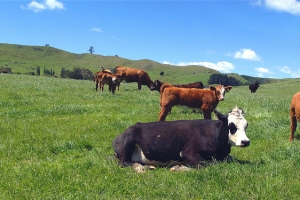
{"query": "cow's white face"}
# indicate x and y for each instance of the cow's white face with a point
(237, 128)
(220, 91)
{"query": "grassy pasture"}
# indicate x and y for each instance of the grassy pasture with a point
(56, 135)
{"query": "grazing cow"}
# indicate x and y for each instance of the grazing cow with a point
(184, 142)
(134, 75)
(205, 100)
(294, 114)
(254, 86)
(157, 85)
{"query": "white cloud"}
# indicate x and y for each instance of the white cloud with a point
(289, 6)
(97, 30)
(223, 66)
(296, 74)
(288, 70)
(47, 4)
(285, 69)
(261, 71)
(53, 4)
(247, 54)
(36, 7)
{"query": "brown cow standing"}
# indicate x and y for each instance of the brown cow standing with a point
(294, 114)
(98, 76)
(110, 79)
(134, 75)
(204, 99)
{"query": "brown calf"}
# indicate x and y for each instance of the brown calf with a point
(204, 99)
(294, 114)
(134, 75)
(110, 79)
(98, 75)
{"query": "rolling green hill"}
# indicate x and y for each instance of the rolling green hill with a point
(25, 59)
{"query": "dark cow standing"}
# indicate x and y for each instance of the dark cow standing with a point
(134, 75)
(187, 142)
(254, 86)
(157, 85)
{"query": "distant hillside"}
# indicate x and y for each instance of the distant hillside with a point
(25, 59)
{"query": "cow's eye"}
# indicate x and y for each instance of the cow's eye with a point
(232, 128)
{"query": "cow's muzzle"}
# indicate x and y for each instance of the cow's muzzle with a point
(245, 143)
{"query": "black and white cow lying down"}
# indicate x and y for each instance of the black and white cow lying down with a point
(180, 143)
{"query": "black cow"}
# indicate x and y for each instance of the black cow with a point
(254, 86)
(188, 142)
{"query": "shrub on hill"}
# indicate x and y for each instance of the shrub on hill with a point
(223, 79)
(77, 73)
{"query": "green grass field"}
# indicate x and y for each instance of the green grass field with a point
(56, 143)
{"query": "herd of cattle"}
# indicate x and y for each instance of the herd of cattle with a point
(181, 143)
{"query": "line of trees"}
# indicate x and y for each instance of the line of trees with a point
(223, 79)
(77, 73)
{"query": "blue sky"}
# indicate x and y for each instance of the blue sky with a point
(259, 38)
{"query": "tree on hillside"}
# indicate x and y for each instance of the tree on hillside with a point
(223, 79)
(91, 49)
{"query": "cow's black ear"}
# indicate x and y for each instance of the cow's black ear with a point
(232, 128)
(220, 115)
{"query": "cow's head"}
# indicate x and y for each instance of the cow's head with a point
(156, 85)
(237, 125)
(220, 91)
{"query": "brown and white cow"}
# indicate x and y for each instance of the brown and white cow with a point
(134, 75)
(98, 75)
(294, 114)
(205, 100)
(184, 142)
(111, 80)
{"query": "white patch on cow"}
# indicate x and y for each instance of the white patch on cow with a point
(139, 157)
(222, 92)
(114, 79)
(239, 138)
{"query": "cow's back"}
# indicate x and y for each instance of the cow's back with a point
(192, 97)
(164, 141)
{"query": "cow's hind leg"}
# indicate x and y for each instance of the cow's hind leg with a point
(293, 123)
(164, 111)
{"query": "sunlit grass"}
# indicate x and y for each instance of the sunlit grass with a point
(56, 143)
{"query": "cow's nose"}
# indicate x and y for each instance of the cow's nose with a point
(221, 98)
(245, 143)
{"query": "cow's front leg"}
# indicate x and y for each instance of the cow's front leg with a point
(192, 158)
(207, 114)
